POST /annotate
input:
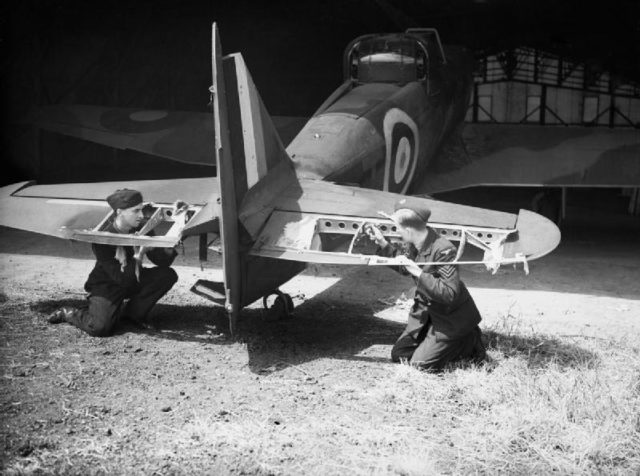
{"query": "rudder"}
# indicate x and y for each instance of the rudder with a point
(247, 147)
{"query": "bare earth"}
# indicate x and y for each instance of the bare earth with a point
(316, 394)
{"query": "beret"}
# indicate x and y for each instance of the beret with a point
(415, 205)
(124, 198)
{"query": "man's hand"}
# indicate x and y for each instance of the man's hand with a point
(180, 206)
(411, 267)
(141, 252)
(374, 234)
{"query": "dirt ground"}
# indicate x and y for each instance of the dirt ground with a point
(309, 395)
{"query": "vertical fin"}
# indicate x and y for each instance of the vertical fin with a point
(262, 145)
(247, 147)
(225, 171)
(261, 163)
(255, 143)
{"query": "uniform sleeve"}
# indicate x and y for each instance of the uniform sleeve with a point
(391, 250)
(441, 283)
(162, 257)
(105, 256)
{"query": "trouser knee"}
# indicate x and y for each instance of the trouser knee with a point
(432, 366)
(397, 355)
(168, 277)
(99, 330)
(100, 317)
(403, 349)
(159, 279)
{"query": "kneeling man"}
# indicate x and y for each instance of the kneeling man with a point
(443, 322)
(118, 276)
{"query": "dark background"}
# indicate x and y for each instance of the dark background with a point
(156, 54)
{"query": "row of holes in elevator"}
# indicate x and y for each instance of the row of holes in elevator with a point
(384, 228)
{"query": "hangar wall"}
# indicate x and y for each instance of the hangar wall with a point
(526, 85)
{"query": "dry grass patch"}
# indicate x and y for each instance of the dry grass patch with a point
(295, 398)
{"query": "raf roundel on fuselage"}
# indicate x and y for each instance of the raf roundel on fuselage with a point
(402, 148)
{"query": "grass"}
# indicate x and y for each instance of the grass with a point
(542, 405)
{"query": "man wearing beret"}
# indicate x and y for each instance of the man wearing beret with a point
(117, 275)
(442, 326)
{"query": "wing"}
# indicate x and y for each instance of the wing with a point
(183, 136)
(177, 135)
(76, 211)
(531, 155)
(321, 222)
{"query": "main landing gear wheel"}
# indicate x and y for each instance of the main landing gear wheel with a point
(282, 307)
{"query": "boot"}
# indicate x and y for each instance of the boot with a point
(63, 314)
(479, 353)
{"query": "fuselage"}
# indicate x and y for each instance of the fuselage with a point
(401, 98)
(381, 129)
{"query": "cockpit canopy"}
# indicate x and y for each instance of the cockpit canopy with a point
(390, 58)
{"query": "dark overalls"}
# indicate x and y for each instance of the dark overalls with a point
(443, 322)
(109, 284)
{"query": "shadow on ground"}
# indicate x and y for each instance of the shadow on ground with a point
(181, 323)
(540, 351)
(320, 329)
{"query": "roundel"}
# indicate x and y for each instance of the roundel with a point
(402, 142)
(135, 121)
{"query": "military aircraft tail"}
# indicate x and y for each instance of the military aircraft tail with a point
(247, 147)
(255, 146)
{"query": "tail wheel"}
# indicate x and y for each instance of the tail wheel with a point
(282, 307)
